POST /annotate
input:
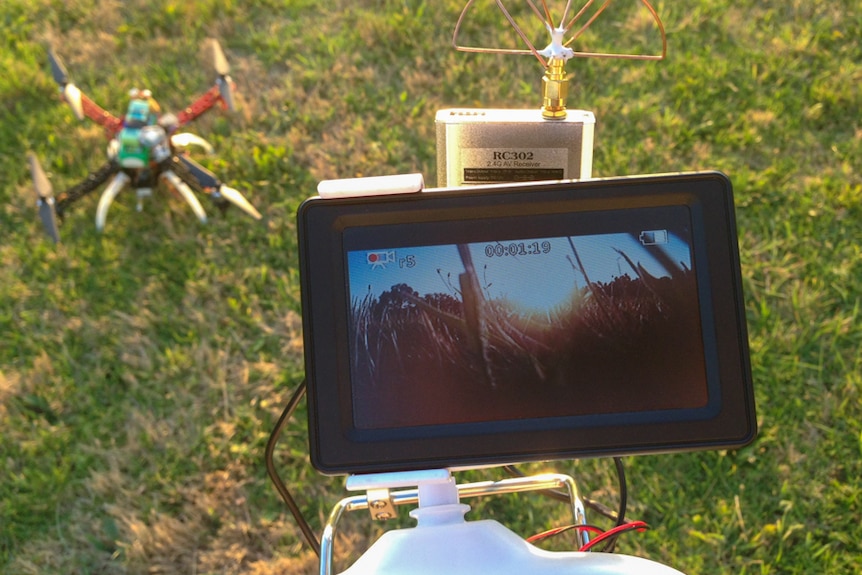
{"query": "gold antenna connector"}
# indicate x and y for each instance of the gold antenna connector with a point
(555, 90)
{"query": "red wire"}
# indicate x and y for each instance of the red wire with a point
(638, 525)
(558, 530)
(602, 535)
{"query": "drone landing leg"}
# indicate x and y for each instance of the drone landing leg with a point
(204, 181)
(115, 187)
(186, 192)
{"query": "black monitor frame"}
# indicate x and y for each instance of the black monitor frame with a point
(362, 433)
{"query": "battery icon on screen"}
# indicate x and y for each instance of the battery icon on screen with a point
(653, 237)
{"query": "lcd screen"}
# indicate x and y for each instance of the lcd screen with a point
(551, 326)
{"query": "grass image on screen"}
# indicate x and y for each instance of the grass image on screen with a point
(527, 328)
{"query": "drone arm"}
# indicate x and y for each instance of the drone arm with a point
(198, 177)
(79, 102)
(83, 107)
(199, 106)
(90, 184)
(96, 113)
(220, 93)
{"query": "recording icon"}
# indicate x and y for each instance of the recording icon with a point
(380, 259)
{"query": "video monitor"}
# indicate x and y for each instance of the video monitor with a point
(483, 326)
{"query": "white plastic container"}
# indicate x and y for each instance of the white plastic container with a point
(443, 543)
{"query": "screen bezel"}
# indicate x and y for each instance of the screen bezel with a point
(337, 446)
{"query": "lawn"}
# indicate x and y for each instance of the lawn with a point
(142, 369)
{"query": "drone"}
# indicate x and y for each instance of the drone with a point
(145, 151)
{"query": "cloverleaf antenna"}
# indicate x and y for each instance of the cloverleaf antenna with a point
(559, 48)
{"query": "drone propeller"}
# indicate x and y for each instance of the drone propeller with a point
(44, 197)
(71, 93)
(58, 69)
(225, 91)
(222, 68)
(219, 60)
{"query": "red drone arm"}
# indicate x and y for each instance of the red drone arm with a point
(201, 105)
(96, 113)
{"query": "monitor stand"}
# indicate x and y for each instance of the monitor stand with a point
(444, 543)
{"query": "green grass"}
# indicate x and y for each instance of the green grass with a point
(141, 370)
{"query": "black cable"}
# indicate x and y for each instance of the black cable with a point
(624, 491)
(312, 539)
(621, 513)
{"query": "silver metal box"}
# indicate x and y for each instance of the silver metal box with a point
(481, 146)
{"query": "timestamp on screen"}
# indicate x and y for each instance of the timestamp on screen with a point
(501, 249)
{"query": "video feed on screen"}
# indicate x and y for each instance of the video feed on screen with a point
(546, 327)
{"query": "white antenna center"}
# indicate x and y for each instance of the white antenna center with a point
(556, 49)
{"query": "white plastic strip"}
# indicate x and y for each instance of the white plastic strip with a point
(371, 186)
